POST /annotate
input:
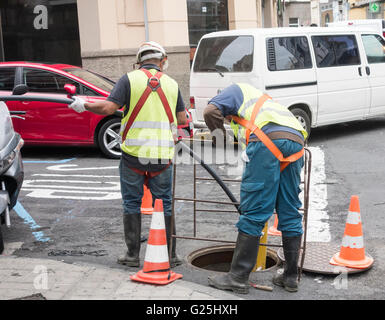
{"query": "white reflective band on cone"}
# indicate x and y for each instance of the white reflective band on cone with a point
(353, 242)
(156, 254)
(353, 218)
(157, 221)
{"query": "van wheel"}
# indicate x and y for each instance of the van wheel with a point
(109, 139)
(303, 119)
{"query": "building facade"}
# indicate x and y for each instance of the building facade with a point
(103, 35)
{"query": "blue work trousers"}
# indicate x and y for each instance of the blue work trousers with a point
(265, 189)
(131, 185)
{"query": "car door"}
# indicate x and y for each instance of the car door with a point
(7, 83)
(343, 88)
(374, 47)
(47, 122)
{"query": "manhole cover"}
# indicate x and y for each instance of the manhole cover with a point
(218, 258)
(317, 257)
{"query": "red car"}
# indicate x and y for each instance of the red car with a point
(45, 123)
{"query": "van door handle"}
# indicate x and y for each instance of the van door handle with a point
(360, 71)
(367, 70)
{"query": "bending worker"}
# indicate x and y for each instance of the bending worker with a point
(153, 106)
(274, 141)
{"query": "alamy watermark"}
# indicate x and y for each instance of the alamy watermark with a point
(40, 282)
(41, 19)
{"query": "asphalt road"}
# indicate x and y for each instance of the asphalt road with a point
(70, 209)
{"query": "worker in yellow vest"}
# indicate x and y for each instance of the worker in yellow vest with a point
(274, 141)
(153, 106)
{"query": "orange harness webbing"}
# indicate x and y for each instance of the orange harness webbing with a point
(251, 127)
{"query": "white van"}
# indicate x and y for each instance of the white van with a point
(323, 75)
(375, 24)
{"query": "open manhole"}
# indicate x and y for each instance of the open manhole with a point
(218, 258)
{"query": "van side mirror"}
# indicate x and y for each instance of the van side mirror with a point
(19, 90)
(70, 89)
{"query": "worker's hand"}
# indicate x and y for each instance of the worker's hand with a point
(78, 104)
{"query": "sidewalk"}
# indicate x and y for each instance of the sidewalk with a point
(55, 280)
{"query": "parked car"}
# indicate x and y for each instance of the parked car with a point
(48, 123)
(323, 75)
(11, 168)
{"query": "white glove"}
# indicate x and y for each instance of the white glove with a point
(244, 156)
(78, 104)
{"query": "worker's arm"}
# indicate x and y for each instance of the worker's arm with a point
(103, 107)
(181, 117)
(214, 118)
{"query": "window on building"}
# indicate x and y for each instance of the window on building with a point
(205, 16)
(374, 48)
(225, 54)
(332, 51)
(288, 53)
(7, 79)
(293, 22)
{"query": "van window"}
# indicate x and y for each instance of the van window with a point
(225, 54)
(374, 47)
(288, 53)
(333, 51)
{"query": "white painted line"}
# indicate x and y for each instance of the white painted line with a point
(74, 167)
(73, 195)
(114, 186)
(318, 218)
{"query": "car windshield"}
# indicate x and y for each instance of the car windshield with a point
(93, 78)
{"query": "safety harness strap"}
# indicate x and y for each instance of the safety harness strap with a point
(252, 127)
(256, 109)
(153, 84)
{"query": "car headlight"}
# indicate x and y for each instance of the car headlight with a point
(8, 160)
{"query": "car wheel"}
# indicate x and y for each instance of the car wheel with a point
(303, 119)
(109, 139)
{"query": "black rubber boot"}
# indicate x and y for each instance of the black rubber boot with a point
(244, 260)
(174, 259)
(132, 224)
(289, 278)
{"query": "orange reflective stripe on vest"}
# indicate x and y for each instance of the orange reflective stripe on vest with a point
(252, 127)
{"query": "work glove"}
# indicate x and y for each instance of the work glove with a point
(78, 105)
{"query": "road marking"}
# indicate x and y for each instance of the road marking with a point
(318, 225)
(49, 161)
(22, 213)
(70, 167)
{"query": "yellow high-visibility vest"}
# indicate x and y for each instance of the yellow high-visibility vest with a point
(269, 112)
(150, 135)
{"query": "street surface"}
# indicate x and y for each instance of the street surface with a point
(70, 209)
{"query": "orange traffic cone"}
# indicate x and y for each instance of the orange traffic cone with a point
(273, 231)
(352, 253)
(156, 267)
(146, 207)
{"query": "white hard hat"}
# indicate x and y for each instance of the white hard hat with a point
(156, 51)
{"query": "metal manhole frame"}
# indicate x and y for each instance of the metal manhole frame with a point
(317, 259)
(305, 209)
(228, 247)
